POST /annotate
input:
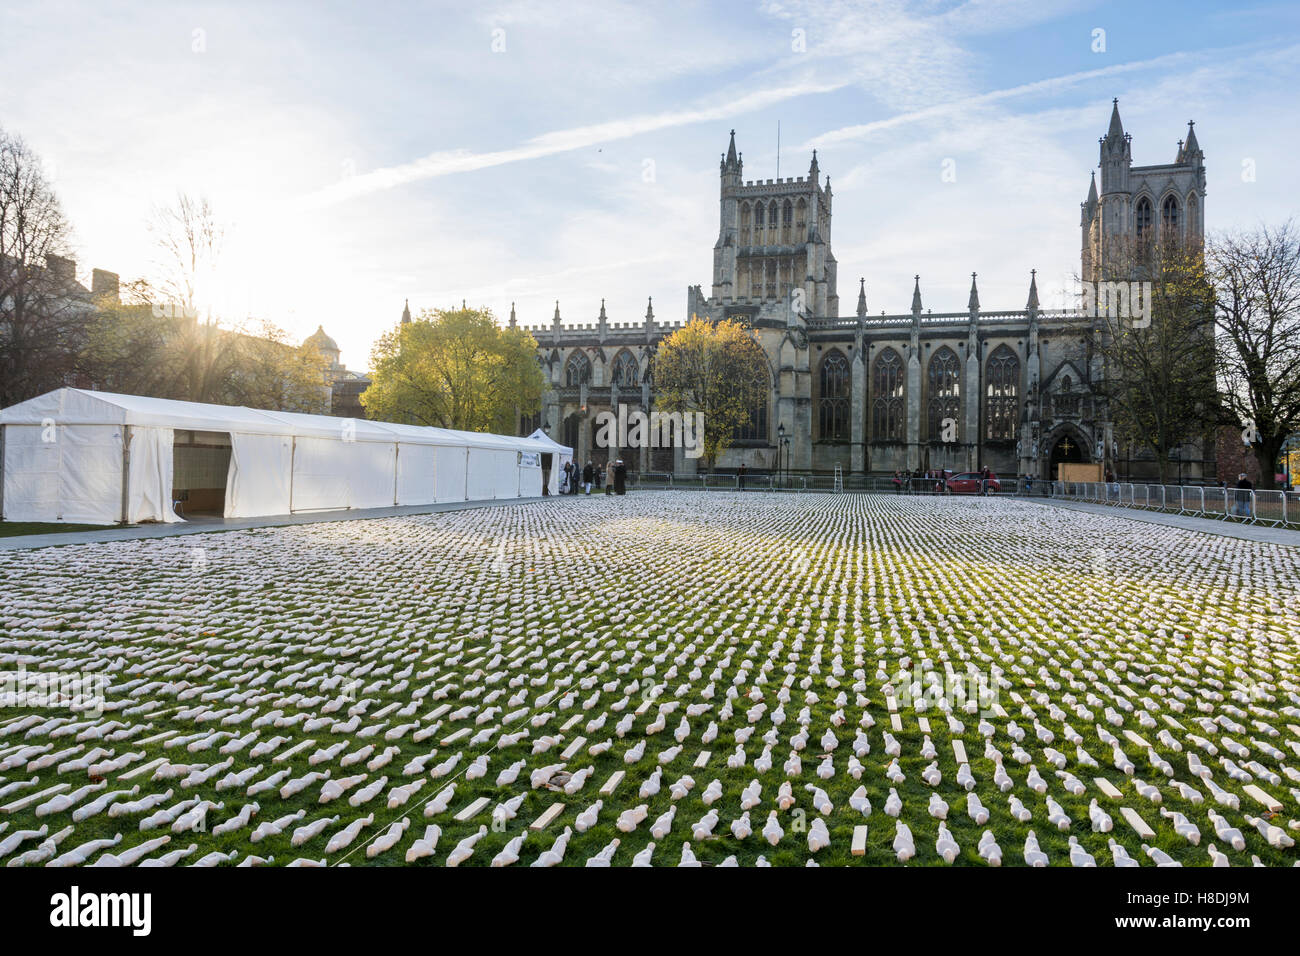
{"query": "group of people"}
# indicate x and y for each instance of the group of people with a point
(575, 478)
(920, 481)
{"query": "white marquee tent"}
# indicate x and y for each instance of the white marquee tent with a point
(97, 458)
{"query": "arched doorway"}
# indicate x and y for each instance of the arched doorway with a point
(1067, 449)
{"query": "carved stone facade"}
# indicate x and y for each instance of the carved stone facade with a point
(1009, 390)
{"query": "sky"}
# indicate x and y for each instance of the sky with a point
(361, 155)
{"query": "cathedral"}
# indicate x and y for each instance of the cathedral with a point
(1011, 390)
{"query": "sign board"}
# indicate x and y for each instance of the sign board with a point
(530, 459)
(1074, 471)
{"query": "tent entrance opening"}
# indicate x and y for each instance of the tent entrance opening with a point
(200, 464)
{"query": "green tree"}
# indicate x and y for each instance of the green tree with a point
(718, 369)
(454, 368)
(269, 371)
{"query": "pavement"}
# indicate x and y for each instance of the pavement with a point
(208, 525)
(1227, 529)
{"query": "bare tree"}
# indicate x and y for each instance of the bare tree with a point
(1159, 376)
(42, 314)
(1257, 314)
(189, 241)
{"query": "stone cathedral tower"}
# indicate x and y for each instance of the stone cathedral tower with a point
(774, 240)
(1137, 202)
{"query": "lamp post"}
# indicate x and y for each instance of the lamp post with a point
(780, 445)
(783, 447)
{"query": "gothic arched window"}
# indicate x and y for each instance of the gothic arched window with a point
(626, 374)
(1169, 215)
(833, 402)
(945, 392)
(756, 428)
(888, 398)
(1142, 217)
(569, 431)
(1192, 218)
(577, 371)
(1002, 395)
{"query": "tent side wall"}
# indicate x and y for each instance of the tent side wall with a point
(417, 477)
(150, 466)
(530, 474)
(259, 481)
(372, 474)
(449, 470)
(320, 475)
(70, 473)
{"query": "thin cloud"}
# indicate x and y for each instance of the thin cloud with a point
(1053, 84)
(451, 162)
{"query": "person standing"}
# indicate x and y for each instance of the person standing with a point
(609, 476)
(620, 477)
(1244, 488)
(588, 475)
(740, 476)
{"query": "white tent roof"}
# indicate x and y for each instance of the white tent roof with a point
(84, 407)
(551, 444)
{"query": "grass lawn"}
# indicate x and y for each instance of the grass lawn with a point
(879, 661)
(9, 529)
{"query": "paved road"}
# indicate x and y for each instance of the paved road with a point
(1230, 529)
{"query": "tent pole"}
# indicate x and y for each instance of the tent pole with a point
(126, 472)
(397, 453)
(293, 457)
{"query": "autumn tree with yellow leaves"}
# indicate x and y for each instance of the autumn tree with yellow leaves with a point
(716, 368)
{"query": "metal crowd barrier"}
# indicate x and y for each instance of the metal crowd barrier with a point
(1267, 507)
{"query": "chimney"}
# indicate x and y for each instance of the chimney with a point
(104, 283)
(62, 268)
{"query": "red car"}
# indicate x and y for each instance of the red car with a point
(972, 483)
